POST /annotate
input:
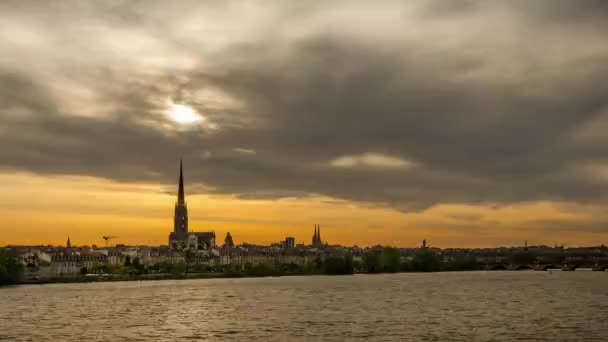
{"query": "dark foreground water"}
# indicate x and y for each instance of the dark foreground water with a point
(476, 306)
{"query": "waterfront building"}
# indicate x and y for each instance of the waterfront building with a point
(74, 264)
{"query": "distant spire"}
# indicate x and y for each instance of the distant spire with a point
(68, 244)
(180, 193)
(228, 240)
(319, 232)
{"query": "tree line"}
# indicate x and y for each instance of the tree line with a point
(11, 271)
(376, 260)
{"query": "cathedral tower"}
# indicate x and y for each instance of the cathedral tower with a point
(316, 238)
(181, 209)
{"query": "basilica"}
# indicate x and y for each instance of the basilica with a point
(181, 238)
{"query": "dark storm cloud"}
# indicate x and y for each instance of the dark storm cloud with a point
(549, 10)
(466, 102)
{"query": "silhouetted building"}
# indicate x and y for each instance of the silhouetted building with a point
(181, 238)
(68, 244)
(316, 238)
(228, 240)
(180, 217)
(290, 242)
(201, 240)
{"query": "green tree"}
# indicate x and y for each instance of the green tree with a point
(390, 260)
(117, 269)
(177, 268)
(311, 268)
(425, 260)
(349, 264)
(11, 270)
(371, 262)
(199, 267)
(523, 257)
(336, 264)
(463, 263)
(137, 267)
(101, 268)
(154, 268)
(127, 261)
(292, 268)
(171, 268)
(260, 270)
(318, 263)
(189, 258)
(406, 266)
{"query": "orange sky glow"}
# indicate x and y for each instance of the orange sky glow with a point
(47, 209)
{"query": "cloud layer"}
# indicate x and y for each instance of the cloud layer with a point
(405, 105)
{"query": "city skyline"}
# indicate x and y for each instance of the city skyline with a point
(386, 122)
(181, 227)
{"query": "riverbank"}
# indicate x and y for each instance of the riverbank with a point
(151, 277)
(210, 275)
(142, 277)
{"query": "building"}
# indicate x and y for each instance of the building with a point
(181, 237)
(228, 240)
(290, 242)
(316, 238)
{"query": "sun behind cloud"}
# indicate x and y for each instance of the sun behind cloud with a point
(183, 114)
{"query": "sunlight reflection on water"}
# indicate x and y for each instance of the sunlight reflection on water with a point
(468, 306)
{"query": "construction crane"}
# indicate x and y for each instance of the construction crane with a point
(108, 238)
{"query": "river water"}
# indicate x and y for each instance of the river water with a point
(463, 306)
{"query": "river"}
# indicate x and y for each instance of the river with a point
(459, 306)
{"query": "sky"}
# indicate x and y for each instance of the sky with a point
(467, 123)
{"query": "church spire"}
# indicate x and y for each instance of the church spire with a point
(180, 194)
(181, 211)
(68, 244)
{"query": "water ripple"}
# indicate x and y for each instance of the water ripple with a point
(489, 306)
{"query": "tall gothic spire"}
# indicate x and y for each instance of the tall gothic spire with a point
(316, 238)
(180, 194)
(181, 211)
